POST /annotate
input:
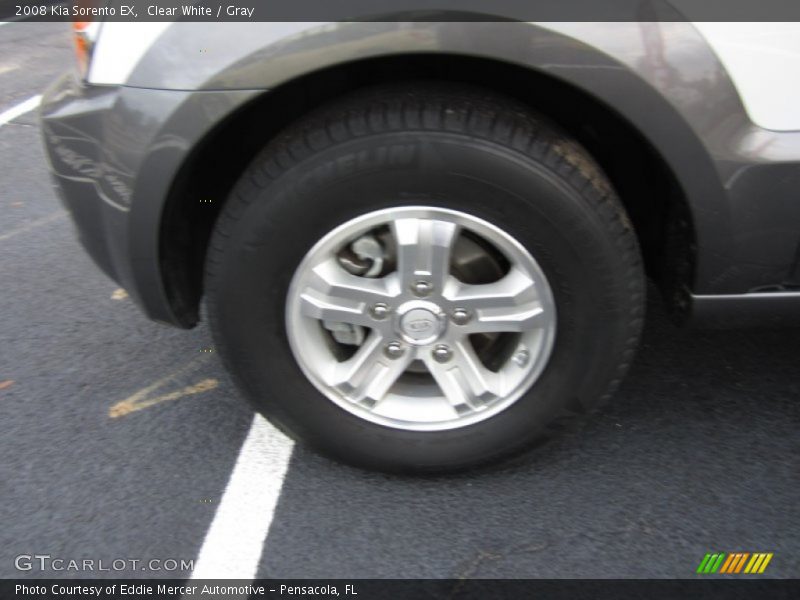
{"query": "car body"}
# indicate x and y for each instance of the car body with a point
(422, 244)
(128, 144)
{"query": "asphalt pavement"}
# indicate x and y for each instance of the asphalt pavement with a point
(119, 435)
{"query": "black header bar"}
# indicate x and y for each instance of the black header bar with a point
(400, 10)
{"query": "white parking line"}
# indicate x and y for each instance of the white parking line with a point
(234, 541)
(33, 224)
(6, 116)
(20, 109)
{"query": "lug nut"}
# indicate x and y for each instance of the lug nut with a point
(394, 350)
(442, 353)
(461, 316)
(422, 288)
(379, 311)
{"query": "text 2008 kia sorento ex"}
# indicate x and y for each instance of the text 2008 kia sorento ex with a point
(423, 246)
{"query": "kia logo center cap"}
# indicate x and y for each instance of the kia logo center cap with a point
(421, 324)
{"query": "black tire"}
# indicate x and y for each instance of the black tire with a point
(443, 145)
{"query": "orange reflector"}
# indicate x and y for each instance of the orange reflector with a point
(83, 43)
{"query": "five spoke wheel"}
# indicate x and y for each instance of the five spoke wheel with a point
(420, 318)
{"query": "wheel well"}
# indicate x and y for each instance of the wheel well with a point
(646, 185)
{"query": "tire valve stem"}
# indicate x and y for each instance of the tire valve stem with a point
(521, 358)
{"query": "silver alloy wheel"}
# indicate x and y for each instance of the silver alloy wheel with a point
(410, 358)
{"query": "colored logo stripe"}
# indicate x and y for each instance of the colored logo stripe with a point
(711, 563)
(758, 563)
(735, 562)
(720, 562)
(727, 564)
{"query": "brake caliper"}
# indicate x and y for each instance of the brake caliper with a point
(364, 257)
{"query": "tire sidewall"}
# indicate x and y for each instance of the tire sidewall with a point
(283, 220)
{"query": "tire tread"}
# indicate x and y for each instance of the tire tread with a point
(463, 110)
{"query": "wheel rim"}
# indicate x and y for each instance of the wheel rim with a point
(420, 318)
